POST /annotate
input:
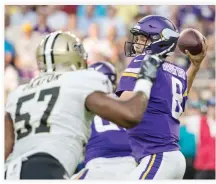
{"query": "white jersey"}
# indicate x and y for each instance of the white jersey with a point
(49, 115)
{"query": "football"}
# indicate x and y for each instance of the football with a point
(191, 40)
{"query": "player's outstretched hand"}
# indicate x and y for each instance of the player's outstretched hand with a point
(196, 60)
(150, 65)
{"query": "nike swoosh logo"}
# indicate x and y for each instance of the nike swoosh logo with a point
(136, 60)
(98, 67)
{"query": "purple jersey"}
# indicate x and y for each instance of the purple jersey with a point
(107, 140)
(159, 128)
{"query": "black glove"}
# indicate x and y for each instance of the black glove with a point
(149, 67)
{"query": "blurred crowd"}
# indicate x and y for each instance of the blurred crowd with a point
(104, 30)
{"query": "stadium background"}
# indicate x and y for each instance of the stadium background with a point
(103, 30)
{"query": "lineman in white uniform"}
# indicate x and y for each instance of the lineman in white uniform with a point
(47, 120)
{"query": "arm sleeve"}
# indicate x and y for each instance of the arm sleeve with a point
(129, 76)
(126, 83)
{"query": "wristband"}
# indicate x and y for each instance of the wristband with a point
(143, 85)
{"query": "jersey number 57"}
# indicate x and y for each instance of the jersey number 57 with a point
(25, 130)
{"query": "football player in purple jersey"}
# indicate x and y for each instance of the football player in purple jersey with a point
(154, 141)
(108, 153)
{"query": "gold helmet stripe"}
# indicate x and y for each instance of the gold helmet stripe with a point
(49, 44)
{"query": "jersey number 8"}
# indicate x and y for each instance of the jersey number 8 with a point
(43, 126)
(177, 98)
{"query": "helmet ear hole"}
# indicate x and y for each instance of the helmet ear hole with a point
(79, 64)
(68, 49)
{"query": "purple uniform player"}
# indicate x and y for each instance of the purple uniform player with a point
(154, 141)
(160, 128)
(107, 141)
(108, 153)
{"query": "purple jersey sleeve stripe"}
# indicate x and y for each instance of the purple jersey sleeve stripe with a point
(126, 83)
(129, 74)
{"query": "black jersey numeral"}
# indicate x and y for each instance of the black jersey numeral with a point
(25, 130)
